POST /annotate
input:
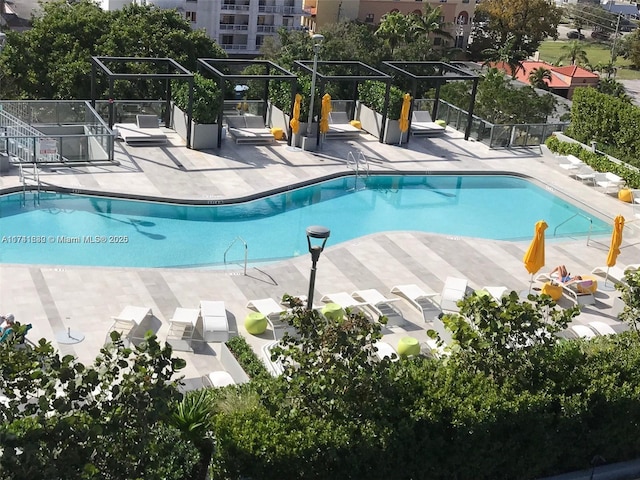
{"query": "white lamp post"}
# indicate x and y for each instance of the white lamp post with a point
(317, 42)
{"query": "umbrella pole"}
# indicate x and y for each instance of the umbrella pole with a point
(531, 283)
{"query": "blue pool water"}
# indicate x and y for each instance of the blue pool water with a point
(83, 230)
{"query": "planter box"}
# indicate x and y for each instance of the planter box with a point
(371, 122)
(203, 136)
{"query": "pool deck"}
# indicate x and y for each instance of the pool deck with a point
(55, 298)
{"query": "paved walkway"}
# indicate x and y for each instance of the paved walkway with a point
(56, 298)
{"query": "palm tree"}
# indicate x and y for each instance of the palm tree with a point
(394, 29)
(194, 417)
(575, 53)
(507, 54)
(539, 76)
(429, 22)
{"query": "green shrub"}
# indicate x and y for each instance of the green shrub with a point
(598, 162)
(250, 363)
(206, 98)
(372, 95)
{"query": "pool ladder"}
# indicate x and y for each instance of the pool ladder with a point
(30, 177)
(358, 164)
(571, 218)
(246, 251)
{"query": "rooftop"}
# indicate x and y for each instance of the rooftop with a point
(55, 298)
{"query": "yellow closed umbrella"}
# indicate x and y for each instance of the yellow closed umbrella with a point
(616, 241)
(404, 115)
(534, 257)
(295, 118)
(326, 110)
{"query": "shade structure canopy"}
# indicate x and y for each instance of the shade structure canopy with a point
(295, 118)
(534, 257)
(404, 113)
(616, 241)
(326, 110)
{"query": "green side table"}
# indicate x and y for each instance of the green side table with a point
(408, 346)
(255, 323)
(333, 311)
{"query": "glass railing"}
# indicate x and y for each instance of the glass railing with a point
(494, 136)
(55, 131)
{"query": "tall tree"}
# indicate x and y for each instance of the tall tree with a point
(574, 52)
(539, 76)
(395, 28)
(529, 21)
(52, 59)
(508, 54)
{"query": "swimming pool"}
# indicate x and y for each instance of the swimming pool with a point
(98, 231)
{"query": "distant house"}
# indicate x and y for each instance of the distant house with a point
(564, 80)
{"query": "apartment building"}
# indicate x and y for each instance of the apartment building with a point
(456, 14)
(238, 26)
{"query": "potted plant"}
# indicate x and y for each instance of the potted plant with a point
(206, 106)
(371, 106)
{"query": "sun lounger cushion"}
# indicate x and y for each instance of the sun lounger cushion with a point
(249, 129)
(147, 121)
(423, 124)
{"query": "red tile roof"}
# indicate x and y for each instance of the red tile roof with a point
(561, 77)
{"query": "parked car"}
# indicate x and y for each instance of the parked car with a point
(575, 34)
(600, 35)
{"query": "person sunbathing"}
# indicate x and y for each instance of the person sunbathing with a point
(563, 275)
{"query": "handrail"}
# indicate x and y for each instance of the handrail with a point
(246, 252)
(571, 218)
(361, 157)
(352, 163)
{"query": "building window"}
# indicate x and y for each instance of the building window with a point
(437, 41)
(465, 1)
(192, 1)
(191, 16)
(368, 18)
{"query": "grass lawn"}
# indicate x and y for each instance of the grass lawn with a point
(551, 51)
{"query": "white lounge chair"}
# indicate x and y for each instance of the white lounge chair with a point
(635, 197)
(145, 131)
(385, 350)
(418, 298)
(272, 311)
(586, 174)
(215, 323)
(496, 292)
(128, 322)
(615, 273)
(454, 290)
(381, 305)
(248, 129)
(340, 126)
(182, 327)
(582, 331)
(602, 328)
(573, 163)
(579, 290)
(345, 301)
(608, 182)
(423, 124)
(218, 379)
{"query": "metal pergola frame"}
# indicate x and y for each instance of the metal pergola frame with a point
(213, 66)
(100, 63)
(373, 74)
(446, 72)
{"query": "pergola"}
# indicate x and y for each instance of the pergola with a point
(352, 72)
(229, 70)
(172, 71)
(438, 73)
